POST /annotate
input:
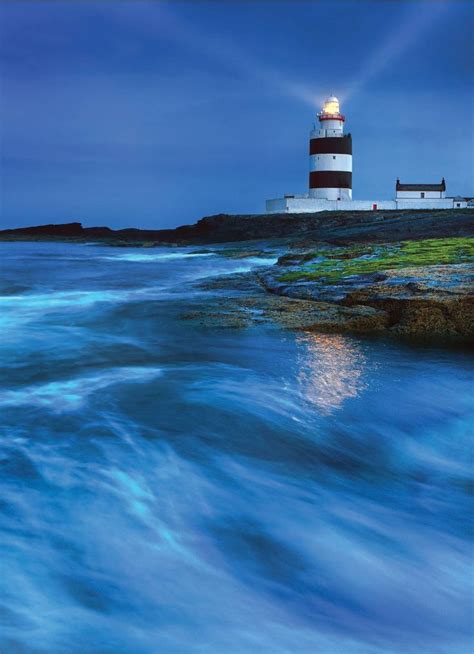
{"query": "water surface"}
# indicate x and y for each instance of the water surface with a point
(173, 489)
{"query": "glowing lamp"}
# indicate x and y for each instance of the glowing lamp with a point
(331, 106)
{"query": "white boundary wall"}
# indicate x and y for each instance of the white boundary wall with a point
(427, 203)
(312, 205)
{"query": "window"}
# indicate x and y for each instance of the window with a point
(333, 156)
(458, 204)
(422, 194)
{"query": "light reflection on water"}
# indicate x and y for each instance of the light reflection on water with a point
(167, 489)
(331, 369)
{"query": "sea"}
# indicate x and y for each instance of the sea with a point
(171, 487)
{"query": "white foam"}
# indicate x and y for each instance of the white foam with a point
(253, 262)
(151, 258)
(70, 394)
(262, 261)
(57, 299)
(22, 309)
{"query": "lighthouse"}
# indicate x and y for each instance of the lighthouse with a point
(330, 177)
(330, 156)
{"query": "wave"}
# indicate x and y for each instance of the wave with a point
(26, 308)
(151, 258)
(243, 265)
(55, 299)
(251, 262)
(161, 480)
(70, 394)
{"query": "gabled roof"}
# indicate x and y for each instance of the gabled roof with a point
(421, 187)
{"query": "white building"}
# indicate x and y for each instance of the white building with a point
(330, 177)
(420, 191)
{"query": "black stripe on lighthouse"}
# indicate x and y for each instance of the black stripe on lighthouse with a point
(331, 145)
(330, 179)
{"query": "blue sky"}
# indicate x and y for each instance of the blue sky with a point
(153, 114)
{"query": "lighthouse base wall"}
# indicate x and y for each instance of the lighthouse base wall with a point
(305, 204)
(330, 194)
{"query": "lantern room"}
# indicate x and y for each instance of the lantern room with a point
(331, 110)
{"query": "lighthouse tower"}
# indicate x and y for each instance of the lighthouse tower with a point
(330, 156)
(330, 177)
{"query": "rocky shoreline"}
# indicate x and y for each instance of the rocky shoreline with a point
(401, 274)
(420, 290)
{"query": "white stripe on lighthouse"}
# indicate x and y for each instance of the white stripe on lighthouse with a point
(342, 162)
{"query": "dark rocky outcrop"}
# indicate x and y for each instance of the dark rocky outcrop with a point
(334, 226)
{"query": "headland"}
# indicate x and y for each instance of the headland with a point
(406, 274)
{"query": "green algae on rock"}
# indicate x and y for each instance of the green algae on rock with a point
(366, 259)
(412, 289)
(424, 287)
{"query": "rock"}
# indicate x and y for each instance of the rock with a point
(225, 318)
(241, 254)
(362, 289)
(247, 310)
(461, 314)
(296, 258)
(423, 320)
(246, 282)
(325, 317)
(429, 302)
(306, 230)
